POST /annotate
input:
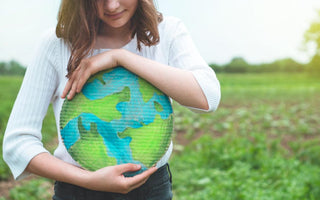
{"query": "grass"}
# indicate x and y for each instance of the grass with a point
(34, 189)
(9, 87)
(262, 143)
(232, 168)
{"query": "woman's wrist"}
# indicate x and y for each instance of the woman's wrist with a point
(82, 178)
(118, 55)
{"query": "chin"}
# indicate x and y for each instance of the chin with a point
(115, 24)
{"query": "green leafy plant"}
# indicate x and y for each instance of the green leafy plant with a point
(33, 190)
(238, 168)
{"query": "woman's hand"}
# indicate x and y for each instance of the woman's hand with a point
(111, 179)
(88, 67)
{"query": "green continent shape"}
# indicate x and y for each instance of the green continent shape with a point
(158, 106)
(81, 104)
(150, 142)
(147, 90)
(90, 151)
(99, 76)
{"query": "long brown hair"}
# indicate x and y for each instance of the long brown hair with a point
(78, 24)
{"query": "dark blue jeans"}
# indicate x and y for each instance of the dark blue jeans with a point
(157, 187)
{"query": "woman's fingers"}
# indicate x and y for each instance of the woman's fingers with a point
(82, 80)
(137, 179)
(72, 87)
(73, 91)
(129, 167)
(140, 179)
(130, 183)
(67, 88)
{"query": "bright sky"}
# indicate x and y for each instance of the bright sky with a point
(258, 30)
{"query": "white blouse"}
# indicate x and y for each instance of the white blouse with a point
(45, 79)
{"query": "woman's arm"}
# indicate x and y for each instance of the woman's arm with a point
(185, 76)
(23, 150)
(108, 179)
(177, 83)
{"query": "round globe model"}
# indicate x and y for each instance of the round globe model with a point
(117, 118)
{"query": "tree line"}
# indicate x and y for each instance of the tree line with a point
(236, 65)
(12, 68)
(240, 65)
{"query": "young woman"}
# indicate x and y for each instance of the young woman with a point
(94, 35)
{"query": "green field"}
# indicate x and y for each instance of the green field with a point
(262, 143)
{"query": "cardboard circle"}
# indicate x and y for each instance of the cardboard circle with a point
(117, 118)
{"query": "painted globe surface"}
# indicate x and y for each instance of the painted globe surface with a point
(117, 118)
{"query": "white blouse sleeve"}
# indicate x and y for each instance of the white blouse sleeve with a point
(22, 139)
(184, 54)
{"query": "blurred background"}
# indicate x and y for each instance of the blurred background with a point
(263, 142)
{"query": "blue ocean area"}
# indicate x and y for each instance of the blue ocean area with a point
(135, 113)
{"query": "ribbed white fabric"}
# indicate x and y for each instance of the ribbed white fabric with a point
(45, 79)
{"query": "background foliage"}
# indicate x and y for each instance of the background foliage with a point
(262, 143)
(11, 68)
